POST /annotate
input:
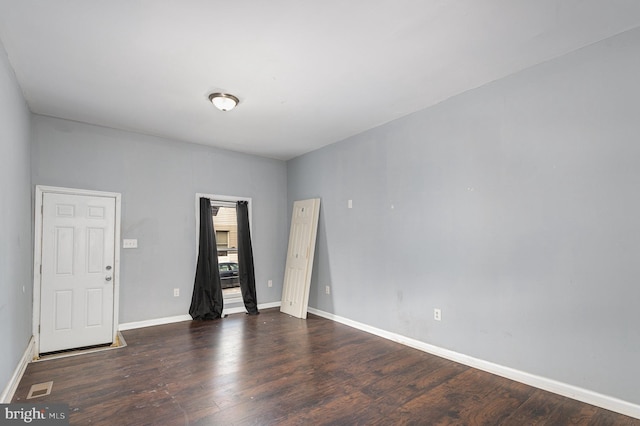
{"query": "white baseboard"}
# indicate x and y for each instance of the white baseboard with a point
(7, 394)
(179, 318)
(269, 305)
(564, 389)
(240, 309)
(152, 322)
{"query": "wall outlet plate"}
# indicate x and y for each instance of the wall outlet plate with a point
(130, 243)
(437, 314)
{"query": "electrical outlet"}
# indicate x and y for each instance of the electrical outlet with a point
(327, 290)
(130, 243)
(176, 292)
(437, 314)
(270, 283)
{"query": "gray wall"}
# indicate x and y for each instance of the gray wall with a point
(513, 207)
(16, 239)
(158, 180)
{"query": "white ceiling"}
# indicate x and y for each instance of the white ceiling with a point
(308, 72)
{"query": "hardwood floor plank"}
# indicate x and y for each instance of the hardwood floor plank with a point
(494, 407)
(274, 369)
(398, 389)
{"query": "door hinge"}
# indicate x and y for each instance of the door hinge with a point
(41, 208)
(41, 269)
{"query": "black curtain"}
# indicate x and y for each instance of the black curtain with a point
(206, 301)
(245, 260)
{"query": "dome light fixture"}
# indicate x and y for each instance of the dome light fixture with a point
(224, 101)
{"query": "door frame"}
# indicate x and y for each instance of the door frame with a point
(37, 254)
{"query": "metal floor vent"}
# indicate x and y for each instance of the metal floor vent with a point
(40, 389)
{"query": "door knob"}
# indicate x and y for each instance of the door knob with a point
(108, 278)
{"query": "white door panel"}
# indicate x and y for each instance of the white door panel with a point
(302, 242)
(78, 256)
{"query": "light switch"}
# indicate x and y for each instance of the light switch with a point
(130, 243)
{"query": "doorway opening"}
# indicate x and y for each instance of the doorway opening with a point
(225, 224)
(226, 227)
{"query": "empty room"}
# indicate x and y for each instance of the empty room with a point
(464, 173)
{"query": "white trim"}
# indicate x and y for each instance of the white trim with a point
(9, 391)
(269, 305)
(180, 318)
(152, 322)
(40, 191)
(240, 309)
(564, 389)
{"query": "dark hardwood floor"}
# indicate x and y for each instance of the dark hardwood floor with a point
(274, 369)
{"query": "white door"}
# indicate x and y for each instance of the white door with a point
(302, 244)
(76, 287)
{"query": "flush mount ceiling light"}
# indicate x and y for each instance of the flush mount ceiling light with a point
(223, 101)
